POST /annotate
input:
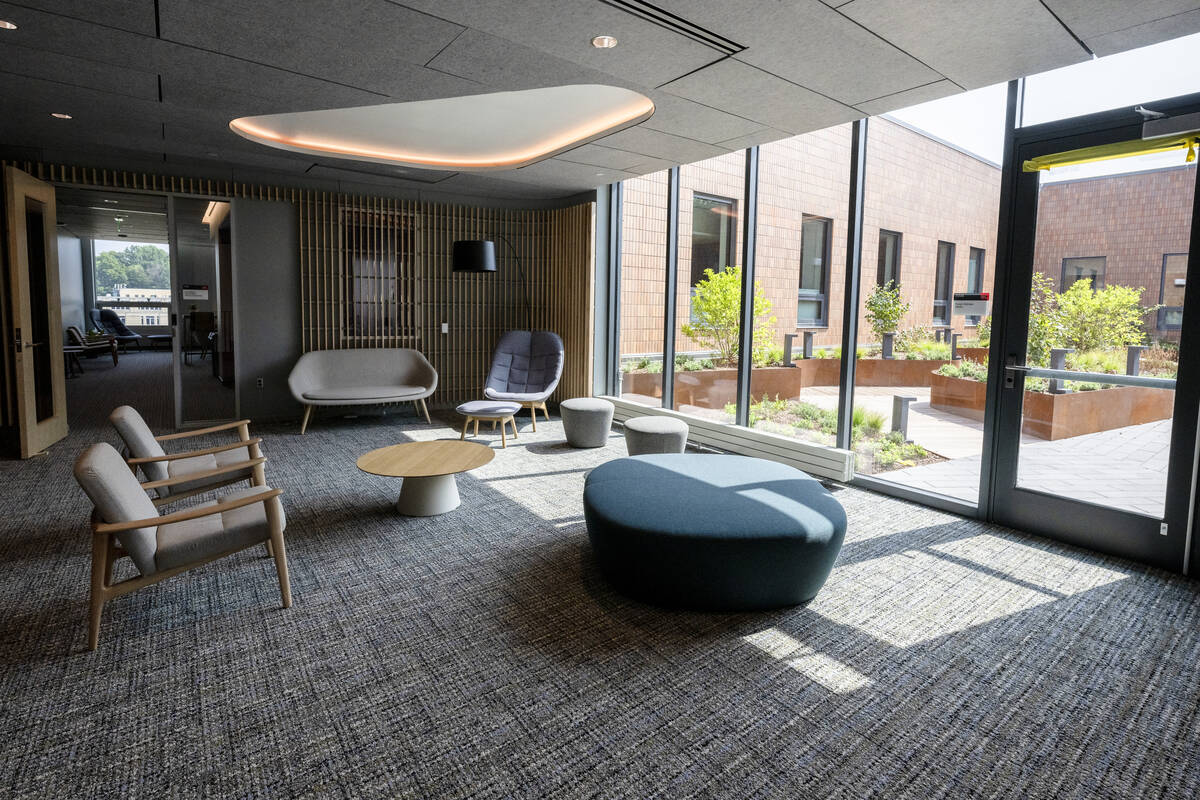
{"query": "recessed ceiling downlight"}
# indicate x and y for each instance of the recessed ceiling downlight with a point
(477, 133)
(604, 41)
(60, 115)
(7, 26)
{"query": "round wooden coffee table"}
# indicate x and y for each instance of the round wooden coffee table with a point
(428, 470)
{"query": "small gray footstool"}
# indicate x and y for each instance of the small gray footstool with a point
(645, 435)
(586, 421)
(489, 411)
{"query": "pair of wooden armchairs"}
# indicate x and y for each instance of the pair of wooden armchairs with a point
(126, 520)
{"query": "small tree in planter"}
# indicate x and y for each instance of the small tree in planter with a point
(885, 309)
(1091, 319)
(716, 313)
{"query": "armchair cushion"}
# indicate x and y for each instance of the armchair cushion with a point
(526, 366)
(139, 440)
(193, 540)
(118, 497)
(188, 466)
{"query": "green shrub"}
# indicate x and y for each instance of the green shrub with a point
(654, 367)
(913, 337)
(694, 364)
(893, 451)
(1044, 331)
(969, 370)
(939, 351)
(768, 356)
(716, 309)
(1111, 362)
(983, 331)
(885, 309)
(1091, 319)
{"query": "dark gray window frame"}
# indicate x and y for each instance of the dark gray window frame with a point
(1096, 284)
(976, 270)
(947, 298)
(809, 295)
(879, 269)
(1162, 292)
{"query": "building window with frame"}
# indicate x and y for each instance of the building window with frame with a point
(812, 300)
(889, 258)
(714, 238)
(1170, 291)
(975, 265)
(1078, 269)
(943, 284)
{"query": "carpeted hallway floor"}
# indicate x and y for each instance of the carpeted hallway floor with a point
(478, 654)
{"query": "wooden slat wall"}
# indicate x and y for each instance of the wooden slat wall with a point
(396, 254)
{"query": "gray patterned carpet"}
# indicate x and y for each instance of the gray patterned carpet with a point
(478, 654)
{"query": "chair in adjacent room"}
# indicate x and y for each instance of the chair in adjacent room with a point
(91, 347)
(107, 320)
(125, 522)
(526, 368)
(173, 476)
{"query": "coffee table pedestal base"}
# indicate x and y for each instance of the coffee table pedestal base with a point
(427, 497)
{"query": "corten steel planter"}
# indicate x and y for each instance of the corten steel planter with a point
(1061, 416)
(716, 388)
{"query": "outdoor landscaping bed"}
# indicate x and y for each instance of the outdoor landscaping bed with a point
(1061, 416)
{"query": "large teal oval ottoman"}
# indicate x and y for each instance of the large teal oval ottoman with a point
(712, 532)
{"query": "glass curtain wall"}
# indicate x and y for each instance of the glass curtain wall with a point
(932, 195)
(708, 286)
(800, 258)
(643, 287)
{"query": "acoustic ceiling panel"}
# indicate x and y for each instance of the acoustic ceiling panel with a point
(909, 97)
(1093, 18)
(648, 54)
(135, 16)
(750, 92)
(842, 60)
(69, 70)
(660, 145)
(959, 38)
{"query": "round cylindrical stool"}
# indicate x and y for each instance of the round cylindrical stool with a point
(645, 435)
(586, 421)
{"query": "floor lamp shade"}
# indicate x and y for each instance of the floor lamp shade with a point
(474, 255)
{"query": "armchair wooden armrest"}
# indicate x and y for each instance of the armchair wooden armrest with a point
(207, 451)
(106, 528)
(206, 474)
(214, 429)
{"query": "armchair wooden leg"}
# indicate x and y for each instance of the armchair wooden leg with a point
(101, 570)
(304, 422)
(270, 549)
(464, 433)
(533, 414)
(503, 438)
(425, 409)
(512, 421)
(279, 552)
(475, 433)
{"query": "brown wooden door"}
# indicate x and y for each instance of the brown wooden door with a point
(35, 315)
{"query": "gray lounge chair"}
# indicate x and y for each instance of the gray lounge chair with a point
(526, 368)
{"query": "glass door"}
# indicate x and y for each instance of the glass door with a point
(1095, 424)
(202, 311)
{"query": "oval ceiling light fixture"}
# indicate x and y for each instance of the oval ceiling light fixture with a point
(476, 133)
(604, 41)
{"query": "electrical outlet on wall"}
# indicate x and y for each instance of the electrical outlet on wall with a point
(445, 327)
(259, 383)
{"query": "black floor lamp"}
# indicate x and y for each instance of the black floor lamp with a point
(479, 255)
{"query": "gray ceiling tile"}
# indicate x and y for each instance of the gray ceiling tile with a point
(59, 68)
(692, 120)
(1145, 34)
(959, 38)
(565, 174)
(371, 44)
(761, 136)
(660, 145)
(596, 155)
(841, 59)
(1089, 18)
(911, 97)
(749, 92)
(136, 16)
(647, 55)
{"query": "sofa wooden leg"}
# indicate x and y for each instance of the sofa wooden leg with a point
(464, 433)
(304, 422)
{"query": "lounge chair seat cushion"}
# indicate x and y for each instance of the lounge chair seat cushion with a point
(189, 466)
(196, 539)
(358, 394)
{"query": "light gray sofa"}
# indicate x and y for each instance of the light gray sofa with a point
(362, 377)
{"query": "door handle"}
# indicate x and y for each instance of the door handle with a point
(1011, 369)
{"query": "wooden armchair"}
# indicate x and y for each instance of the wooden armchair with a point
(125, 522)
(91, 346)
(199, 470)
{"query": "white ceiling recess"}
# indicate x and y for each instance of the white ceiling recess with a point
(155, 85)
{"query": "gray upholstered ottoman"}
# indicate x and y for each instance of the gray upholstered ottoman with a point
(714, 532)
(586, 421)
(644, 435)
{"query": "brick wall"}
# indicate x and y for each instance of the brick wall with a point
(1132, 220)
(916, 185)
